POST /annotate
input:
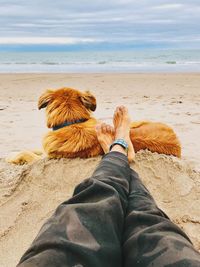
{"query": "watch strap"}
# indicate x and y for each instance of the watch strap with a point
(120, 142)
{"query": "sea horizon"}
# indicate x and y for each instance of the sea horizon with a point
(169, 60)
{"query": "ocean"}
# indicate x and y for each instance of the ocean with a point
(110, 61)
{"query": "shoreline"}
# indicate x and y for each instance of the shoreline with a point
(101, 61)
(105, 72)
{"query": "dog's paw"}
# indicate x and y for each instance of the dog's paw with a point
(24, 157)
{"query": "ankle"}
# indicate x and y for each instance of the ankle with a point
(120, 145)
(118, 148)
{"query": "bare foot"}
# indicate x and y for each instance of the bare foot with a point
(121, 121)
(105, 135)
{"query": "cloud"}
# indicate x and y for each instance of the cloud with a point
(169, 6)
(86, 21)
(44, 40)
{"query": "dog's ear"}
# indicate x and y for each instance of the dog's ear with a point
(45, 99)
(88, 100)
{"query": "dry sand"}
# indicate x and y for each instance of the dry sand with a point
(29, 194)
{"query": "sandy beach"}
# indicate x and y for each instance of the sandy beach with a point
(29, 194)
(170, 98)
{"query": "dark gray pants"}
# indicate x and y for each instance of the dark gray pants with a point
(111, 220)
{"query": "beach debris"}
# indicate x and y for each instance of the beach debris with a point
(177, 102)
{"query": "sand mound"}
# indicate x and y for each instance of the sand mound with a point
(29, 194)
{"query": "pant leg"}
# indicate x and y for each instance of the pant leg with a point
(150, 238)
(87, 229)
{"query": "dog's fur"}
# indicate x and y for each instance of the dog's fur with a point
(80, 140)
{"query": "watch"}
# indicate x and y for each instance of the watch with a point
(120, 142)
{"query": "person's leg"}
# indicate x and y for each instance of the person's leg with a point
(150, 238)
(87, 229)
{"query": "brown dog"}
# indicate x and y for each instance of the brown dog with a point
(68, 113)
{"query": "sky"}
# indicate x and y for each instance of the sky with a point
(99, 24)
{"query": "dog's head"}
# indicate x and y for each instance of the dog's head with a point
(66, 105)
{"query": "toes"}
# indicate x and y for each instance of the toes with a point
(100, 129)
(104, 128)
(116, 116)
(107, 129)
(121, 108)
(120, 112)
(117, 111)
(104, 136)
(124, 111)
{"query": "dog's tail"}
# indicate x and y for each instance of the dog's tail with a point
(156, 137)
